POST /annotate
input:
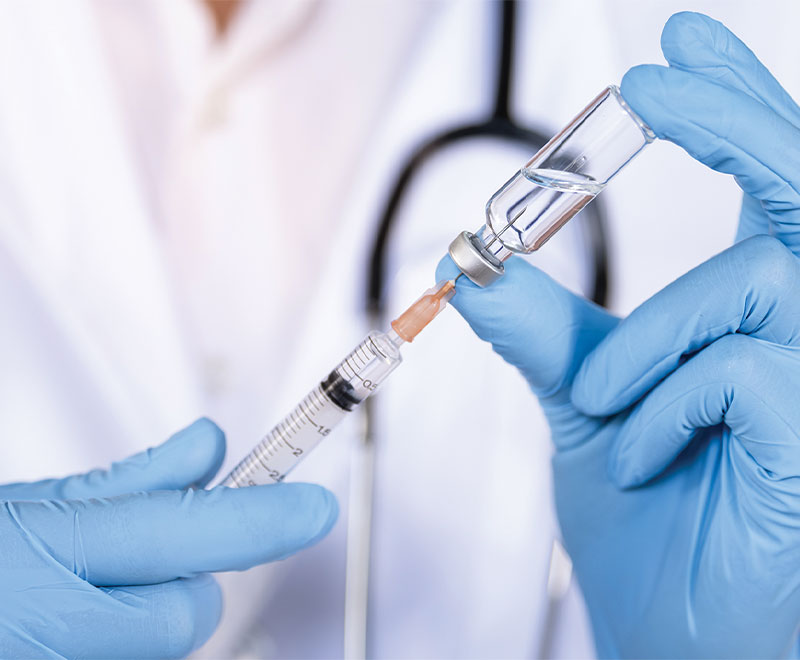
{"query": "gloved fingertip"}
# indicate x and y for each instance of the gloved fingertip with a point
(468, 294)
(627, 480)
(690, 39)
(645, 89)
(329, 514)
(446, 269)
(683, 20)
(586, 395)
(202, 427)
(642, 85)
(622, 469)
(201, 446)
(319, 506)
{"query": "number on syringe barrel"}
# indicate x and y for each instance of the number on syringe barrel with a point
(286, 433)
(307, 415)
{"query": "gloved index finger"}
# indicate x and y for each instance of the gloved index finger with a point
(748, 288)
(191, 457)
(695, 42)
(148, 538)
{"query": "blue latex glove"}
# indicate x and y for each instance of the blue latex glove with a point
(700, 559)
(718, 102)
(113, 564)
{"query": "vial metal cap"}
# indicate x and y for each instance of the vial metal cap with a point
(473, 260)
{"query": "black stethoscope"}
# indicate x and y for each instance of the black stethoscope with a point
(499, 125)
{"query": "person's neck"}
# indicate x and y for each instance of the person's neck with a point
(223, 13)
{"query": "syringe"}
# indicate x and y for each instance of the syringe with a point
(356, 377)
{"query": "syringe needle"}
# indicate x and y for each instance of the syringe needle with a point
(412, 321)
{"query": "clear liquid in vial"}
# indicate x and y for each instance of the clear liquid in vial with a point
(526, 212)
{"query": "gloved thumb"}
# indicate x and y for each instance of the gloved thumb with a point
(538, 326)
(191, 457)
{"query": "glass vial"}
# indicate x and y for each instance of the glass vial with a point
(554, 185)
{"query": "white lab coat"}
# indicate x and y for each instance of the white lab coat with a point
(94, 363)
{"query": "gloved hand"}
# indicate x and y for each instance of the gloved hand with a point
(113, 564)
(691, 399)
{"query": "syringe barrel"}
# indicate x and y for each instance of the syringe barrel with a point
(354, 379)
(554, 185)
